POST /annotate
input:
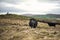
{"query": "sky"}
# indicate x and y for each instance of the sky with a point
(30, 6)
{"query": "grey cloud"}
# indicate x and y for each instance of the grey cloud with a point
(16, 1)
(54, 11)
(11, 1)
(2, 4)
(11, 9)
(51, 1)
(56, 1)
(4, 8)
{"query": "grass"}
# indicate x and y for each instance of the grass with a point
(13, 16)
(15, 27)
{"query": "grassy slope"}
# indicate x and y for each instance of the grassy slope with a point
(13, 28)
(13, 16)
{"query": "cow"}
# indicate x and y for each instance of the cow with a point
(33, 23)
(50, 23)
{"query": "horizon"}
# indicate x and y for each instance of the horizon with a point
(25, 13)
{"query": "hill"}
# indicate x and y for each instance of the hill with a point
(48, 16)
(45, 16)
(13, 16)
(16, 27)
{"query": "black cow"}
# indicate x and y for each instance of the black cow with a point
(53, 23)
(33, 23)
(50, 23)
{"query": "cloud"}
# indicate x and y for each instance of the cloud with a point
(35, 6)
(56, 1)
(7, 9)
(19, 1)
(52, 1)
(54, 11)
(4, 4)
(30, 6)
(11, 1)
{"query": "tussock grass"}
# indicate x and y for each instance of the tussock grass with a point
(19, 29)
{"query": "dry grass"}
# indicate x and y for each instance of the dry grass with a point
(11, 29)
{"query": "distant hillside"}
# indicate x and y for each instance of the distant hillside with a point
(13, 16)
(47, 16)
(54, 15)
(28, 15)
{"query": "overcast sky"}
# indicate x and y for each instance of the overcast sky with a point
(30, 6)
